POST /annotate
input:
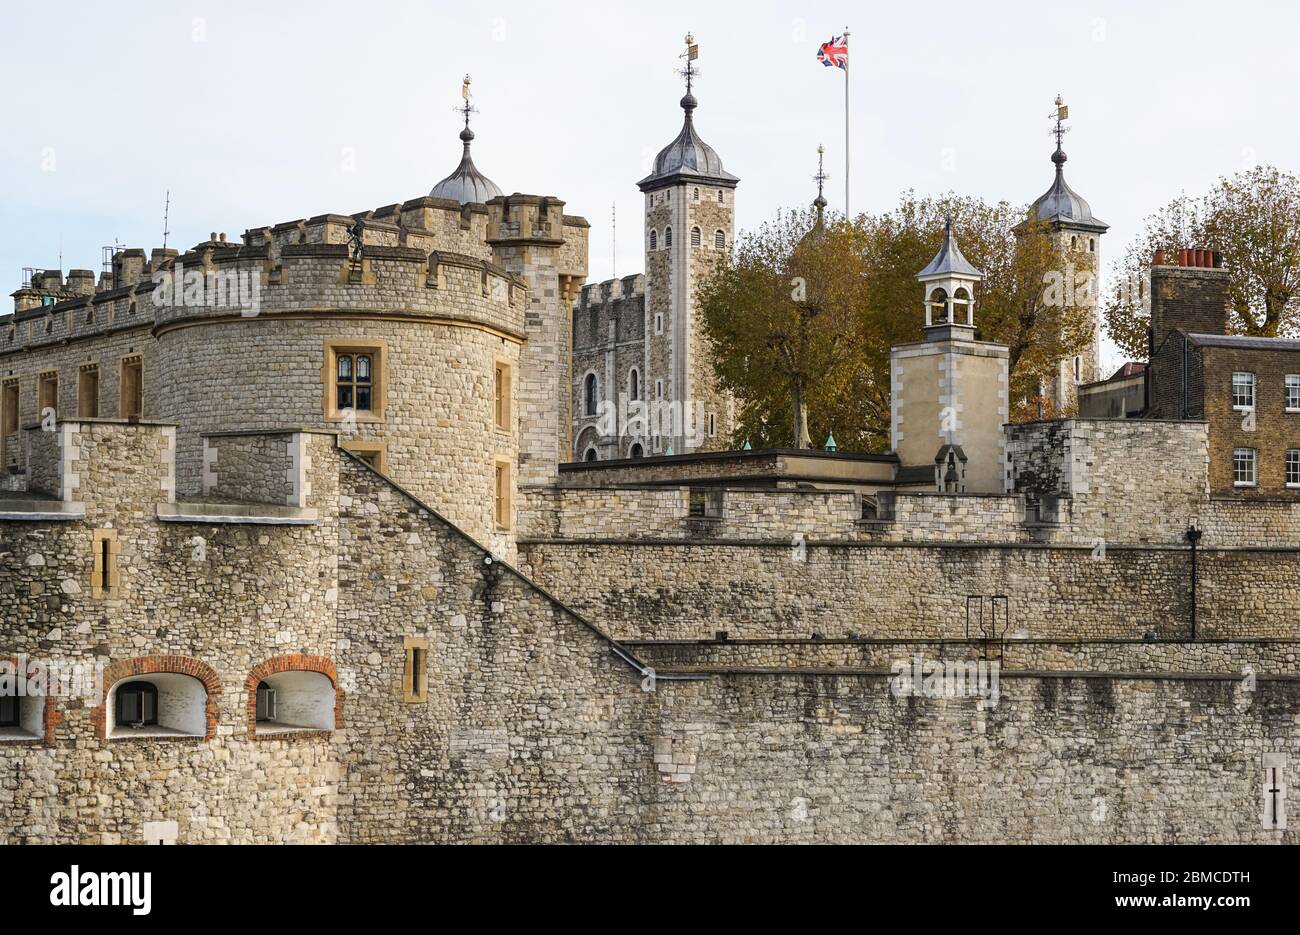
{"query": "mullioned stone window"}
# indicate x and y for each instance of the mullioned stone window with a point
(354, 375)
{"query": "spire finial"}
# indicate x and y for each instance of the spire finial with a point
(820, 178)
(1059, 129)
(689, 71)
(821, 175)
(466, 108)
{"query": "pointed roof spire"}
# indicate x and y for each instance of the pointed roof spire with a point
(818, 229)
(830, 443)
(688, 158)
(1060, 203)
(820, 202)
(466, 185)
(949, 260)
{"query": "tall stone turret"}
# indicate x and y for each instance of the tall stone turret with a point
(532, 237)
(1078, 239)
(689, 223)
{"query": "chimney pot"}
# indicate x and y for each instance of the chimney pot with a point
(212, 236)
(1217, 259)
(1182, 257)
(1159, 258)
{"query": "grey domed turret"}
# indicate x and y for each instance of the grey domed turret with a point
(687, 158)
(467, 185)
(1061, 204)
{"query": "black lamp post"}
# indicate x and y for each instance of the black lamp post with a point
(1193, 536)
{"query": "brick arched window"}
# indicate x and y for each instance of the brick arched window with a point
(293, 695)
(26, 716)
(158, 698)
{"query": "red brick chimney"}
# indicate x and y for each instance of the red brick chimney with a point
(1189, 295)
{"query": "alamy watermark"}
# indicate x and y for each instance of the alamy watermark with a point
(919, 677)
(224, 288)
(644, 419)
(25, 677)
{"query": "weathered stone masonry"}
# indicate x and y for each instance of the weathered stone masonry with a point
(539, 727)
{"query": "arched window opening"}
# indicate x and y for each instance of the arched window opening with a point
(634, 385)
(162, 704)
(961, 307)
(695, 236)
(294, 701)
(697, 195)
(936, 309)
(720, 201)
(719, 240)
(654, 240)
(589, 395)
(590, 455)
(22, 714)
(668, 236)
(637, 451)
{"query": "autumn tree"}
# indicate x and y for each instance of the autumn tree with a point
(802, 369)
(1253, 219)
(784, 319)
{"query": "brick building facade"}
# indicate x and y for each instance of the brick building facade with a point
(1247, 389)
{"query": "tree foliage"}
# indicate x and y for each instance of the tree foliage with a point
(831, 352)
(1253, 219)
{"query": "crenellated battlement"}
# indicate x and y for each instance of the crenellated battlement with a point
(286, 270)
(598, 293)
(435, 247)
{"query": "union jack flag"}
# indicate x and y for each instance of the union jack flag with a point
(835, 52)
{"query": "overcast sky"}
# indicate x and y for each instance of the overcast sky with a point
(253, 113)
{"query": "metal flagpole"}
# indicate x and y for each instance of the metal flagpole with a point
(846, 123)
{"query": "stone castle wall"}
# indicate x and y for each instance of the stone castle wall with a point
(664, 513)
(609, 342)
(257, 593)
(438, 426)
(536, 727)
(429, 295)
(691, 590)
(1225, 658)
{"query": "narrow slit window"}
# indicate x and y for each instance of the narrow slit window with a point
(503, 390)
(415, 680)
(132, 388)
(104, 580)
